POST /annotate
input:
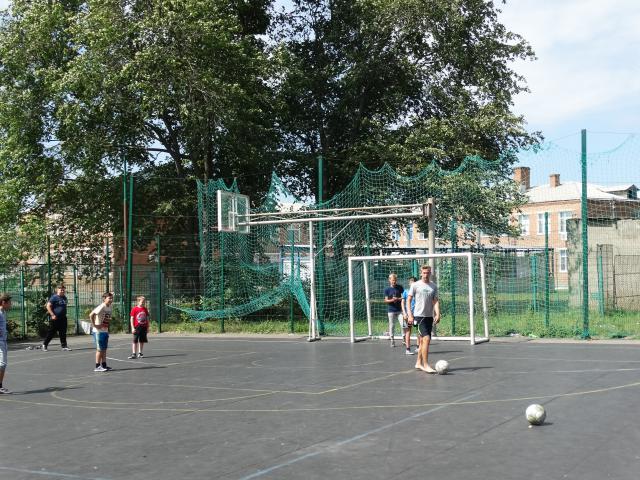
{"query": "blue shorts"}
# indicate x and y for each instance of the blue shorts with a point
(102, 340)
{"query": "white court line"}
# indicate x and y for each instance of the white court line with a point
(355, 438)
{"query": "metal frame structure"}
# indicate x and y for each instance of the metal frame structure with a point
(415, 210)
(473, 339)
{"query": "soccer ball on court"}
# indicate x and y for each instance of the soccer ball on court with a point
(535, 414)
(442, 367)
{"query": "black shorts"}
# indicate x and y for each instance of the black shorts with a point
(140, 334)
(425, 325)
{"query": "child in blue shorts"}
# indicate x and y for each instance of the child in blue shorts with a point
(100, 318)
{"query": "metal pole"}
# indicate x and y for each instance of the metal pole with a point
(367, 296)
(320, 199)
(312, 293)
(485, 309)
(129, 258)
(291, 278)
(159, 269)
(454, 275)
(48, 266)
(351, 306)
(222, 279)
(432, 232)
(585, 241)
(107, 268)
(534, 282)
(23, 312)
(546, 270)
(600, 285)
(367, 233)
(472, 324)
(76, 298)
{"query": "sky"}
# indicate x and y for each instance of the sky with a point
(586, 75)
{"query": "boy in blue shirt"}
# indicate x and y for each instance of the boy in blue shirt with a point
(5, 305)
(405, 315)
(57, 308)
(393, 299)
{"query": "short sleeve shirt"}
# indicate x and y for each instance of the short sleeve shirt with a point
(104, 317)
(394, 292)
(424, 295)
(140, 316)
(405, 296)
(59, 305)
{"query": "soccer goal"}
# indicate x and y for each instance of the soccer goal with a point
(458, 276)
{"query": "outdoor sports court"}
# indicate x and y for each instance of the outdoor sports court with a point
(283, 408)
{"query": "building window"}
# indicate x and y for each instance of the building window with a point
(563, 260)
(421, 235)
(541, 224)
(562, 220)
(297, 234)
(410, 231)
(523, 221)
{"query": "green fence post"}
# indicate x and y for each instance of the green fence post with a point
(600, 285)
(546, 270)
(291, 239)
(76, 298)
(320, 270)
(23, 311)
(534, 282)
(222, 236)
(48, 266)
(585, 241)
(107, 268)
(125, 314)
(122, 293)
(454, 280)
(159, 271)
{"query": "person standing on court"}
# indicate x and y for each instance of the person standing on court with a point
(5, 305)
(405, 315)
(57, 308)
(425, 314)
(100, 319)
(139, 319)
(393, 299)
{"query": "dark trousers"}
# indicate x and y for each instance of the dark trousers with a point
(59, 325)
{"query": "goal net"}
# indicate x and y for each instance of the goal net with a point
(460, 278)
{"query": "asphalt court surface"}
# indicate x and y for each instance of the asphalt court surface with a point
(282, 408)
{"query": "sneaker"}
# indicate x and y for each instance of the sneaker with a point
(44, 348)
(132, 356)
(409, 352)
(140, 355)
(393, 344)
(4, 391)
(107, 369)
(99, 368)
(66, 349)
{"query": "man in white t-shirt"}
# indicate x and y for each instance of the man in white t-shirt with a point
(425, 314)
(100, 319)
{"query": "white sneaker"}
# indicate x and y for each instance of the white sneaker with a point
(99, 368)
(66, 349)
(409, 352)
(44, 348)
(4, 391)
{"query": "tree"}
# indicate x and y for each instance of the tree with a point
(88, 89)
(406, 82)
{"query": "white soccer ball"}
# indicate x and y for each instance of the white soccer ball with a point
(535, 414)
(442, 367)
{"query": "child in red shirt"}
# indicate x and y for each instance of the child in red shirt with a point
(139, 319)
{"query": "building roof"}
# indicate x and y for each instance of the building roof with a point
(571, 191)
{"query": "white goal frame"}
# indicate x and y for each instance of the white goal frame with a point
(472, 338)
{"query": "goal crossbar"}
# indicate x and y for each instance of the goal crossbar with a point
(469, 256)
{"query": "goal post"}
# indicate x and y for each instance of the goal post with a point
(446, 270)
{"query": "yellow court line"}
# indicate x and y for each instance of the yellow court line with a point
(7, 399)
(210, 400)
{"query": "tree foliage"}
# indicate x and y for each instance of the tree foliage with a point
(178, 90)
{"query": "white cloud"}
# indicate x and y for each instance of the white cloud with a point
(588, 59)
